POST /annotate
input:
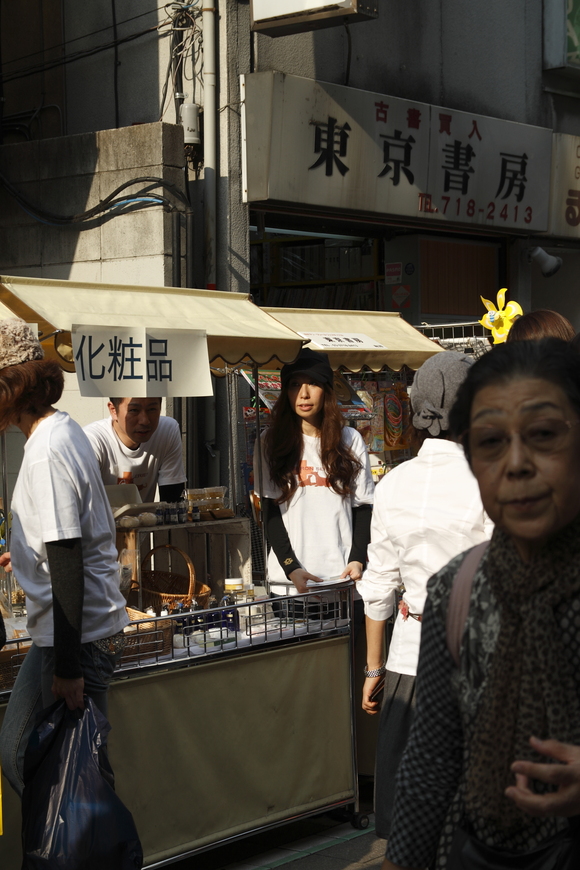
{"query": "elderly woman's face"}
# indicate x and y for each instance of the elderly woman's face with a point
(524, 440)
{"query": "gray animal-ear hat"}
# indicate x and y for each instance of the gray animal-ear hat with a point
(435, 388)
(18, 343)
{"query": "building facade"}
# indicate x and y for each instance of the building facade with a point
(408, 162)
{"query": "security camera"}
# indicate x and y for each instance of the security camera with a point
(548, 265)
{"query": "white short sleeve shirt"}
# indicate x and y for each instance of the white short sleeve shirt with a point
(317, 519)
(157, 461)
(59, 495)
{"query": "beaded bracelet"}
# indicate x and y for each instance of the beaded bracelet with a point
(375, 672)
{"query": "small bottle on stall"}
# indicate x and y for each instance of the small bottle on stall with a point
(230, 615)
(160, 513)
(150, 611)
(164, 610)
(178, 620)
(173, 515)
(195, 513)
(182, 507)
(197, 620)
(212, 619)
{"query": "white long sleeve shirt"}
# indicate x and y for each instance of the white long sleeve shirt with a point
(426, 511)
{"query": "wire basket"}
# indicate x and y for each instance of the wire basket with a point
(146, 639)
(166, 588)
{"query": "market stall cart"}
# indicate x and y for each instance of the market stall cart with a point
(229, 731)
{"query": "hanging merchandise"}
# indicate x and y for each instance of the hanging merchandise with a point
(501, 319)
(393, 419)
(388, 429)
(377, 444)
(71, 817)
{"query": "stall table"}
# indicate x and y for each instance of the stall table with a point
(211, 744)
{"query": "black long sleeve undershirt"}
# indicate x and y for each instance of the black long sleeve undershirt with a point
(280, 542)
(361, 533)
(65, 563)
(278, 536)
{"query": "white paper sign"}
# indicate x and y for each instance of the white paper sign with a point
(354, 340)
(138, 361)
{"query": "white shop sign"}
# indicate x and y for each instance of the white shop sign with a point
(139, 361)
(273, 8)
(565, 194)
(339, 340)
(325, 145)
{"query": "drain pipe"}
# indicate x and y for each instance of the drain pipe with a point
(210, 141)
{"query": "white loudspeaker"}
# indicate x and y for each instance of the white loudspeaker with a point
(548, 264)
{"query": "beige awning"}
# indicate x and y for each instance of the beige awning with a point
(236, 328)
(403, 344)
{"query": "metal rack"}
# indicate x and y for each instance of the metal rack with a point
(192, 636)
(469, 337)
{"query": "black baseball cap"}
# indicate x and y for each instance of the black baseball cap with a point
(311, 363)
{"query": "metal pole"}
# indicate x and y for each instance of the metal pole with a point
(258, 470)
(210, 141)
(189, 249)
(176, 253)
(232, 429)
(6, 508)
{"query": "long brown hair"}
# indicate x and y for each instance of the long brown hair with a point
(27, 387)
(284, 445)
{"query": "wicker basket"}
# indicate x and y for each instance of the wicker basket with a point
(149, 639)
(159, 588)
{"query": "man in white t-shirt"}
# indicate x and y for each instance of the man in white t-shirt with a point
(137, 445)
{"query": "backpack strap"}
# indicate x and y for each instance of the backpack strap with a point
(459, 598)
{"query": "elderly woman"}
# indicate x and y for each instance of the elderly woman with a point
(518, 679)
(427, 510)
(62, 549)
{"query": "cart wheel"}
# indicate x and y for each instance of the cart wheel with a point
(360, 821)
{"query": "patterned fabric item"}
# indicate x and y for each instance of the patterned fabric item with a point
(430, 798)
(530, 688)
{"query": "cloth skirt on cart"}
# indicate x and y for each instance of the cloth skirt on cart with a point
(397, 715)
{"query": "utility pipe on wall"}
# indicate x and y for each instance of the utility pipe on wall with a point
(210, 141)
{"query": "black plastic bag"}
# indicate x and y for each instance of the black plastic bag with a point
(71, 817)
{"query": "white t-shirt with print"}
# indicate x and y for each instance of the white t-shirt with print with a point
(157, 461)
(319, 520)
(59, 495)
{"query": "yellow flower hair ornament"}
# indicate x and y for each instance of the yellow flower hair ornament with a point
(501, 319)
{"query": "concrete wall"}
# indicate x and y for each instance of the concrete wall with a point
(31, 33)
(70, 175)
(483, 56)
(140, 64)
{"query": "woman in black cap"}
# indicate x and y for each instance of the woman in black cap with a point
(318, 489)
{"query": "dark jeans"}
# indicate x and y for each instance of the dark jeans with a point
(32, 693)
